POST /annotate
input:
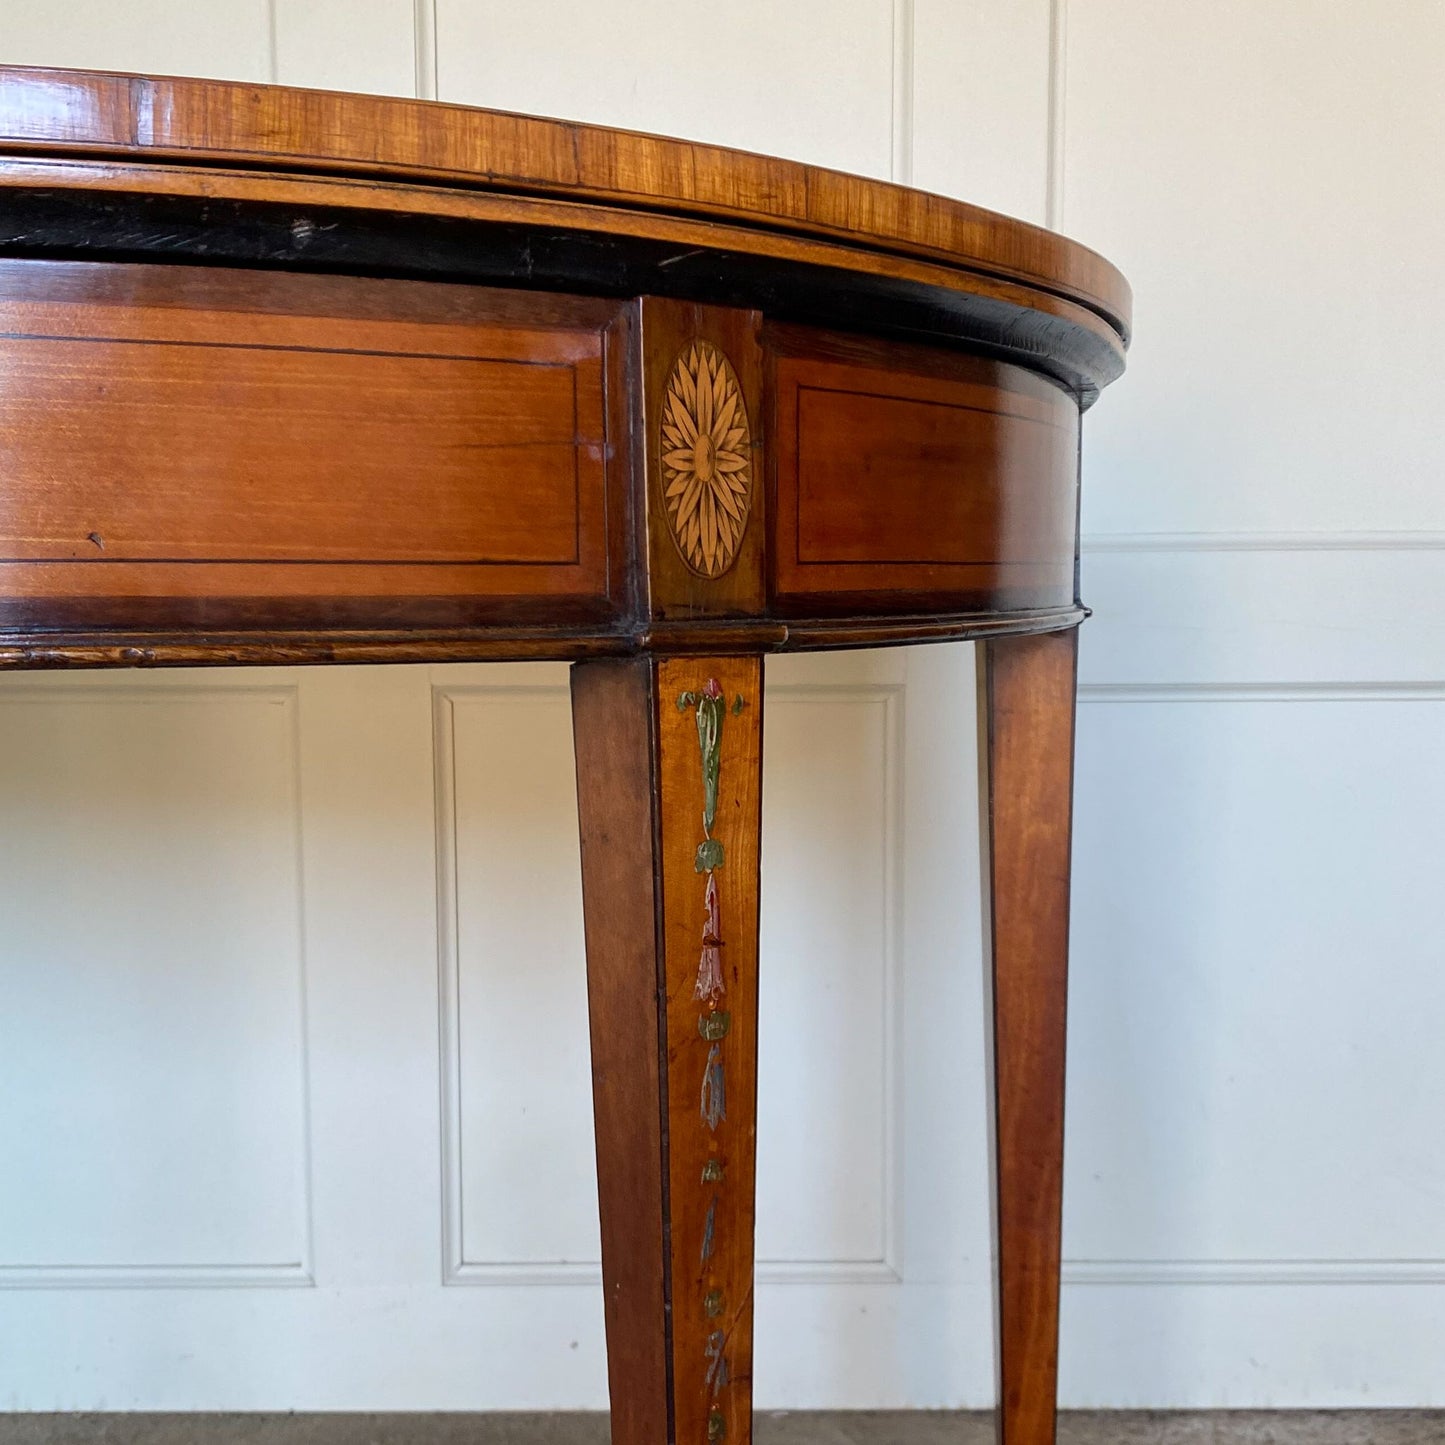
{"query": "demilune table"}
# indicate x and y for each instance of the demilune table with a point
(288, 376)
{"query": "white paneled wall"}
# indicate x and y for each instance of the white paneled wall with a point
(819, 87)
(1268, 176)
(153, 1030)
(245, 1166)
(233, 40)
(1254, 1171)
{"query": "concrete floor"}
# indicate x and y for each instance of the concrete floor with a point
(1381, 1427)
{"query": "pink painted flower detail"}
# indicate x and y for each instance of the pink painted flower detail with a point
(709, 969)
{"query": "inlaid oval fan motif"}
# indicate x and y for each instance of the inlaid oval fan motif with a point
(706, 459)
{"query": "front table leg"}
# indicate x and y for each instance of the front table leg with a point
(669, 765)
(1027, 687)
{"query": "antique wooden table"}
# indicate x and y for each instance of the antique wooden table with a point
(288, 376)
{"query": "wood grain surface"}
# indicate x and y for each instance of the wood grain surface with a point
(1027, 690)
(88, 112)
(613, 710)
(674, 1030)
(60, 205)
(712, 1140)
(213, 434)
(676, 592)
(904, 474)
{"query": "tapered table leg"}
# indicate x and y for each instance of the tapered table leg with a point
(1027, 687)
(668, 784)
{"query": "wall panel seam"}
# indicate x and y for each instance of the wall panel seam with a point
(425, 50)
(273, 49)
(901, 107)
(1057, 117)
(158, 1277)
(1274, 691)
(1322, 541)
(448, 974)
(1176, 1272)
(892, 697)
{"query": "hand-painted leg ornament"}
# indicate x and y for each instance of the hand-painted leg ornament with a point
(710, 985)
(713, 1025)
(711, 713)
(709, 1229)
(717, 1365)
(714, 1090)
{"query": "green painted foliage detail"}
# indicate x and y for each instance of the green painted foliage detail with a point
(712, 710)
(715, 1026)
(710, 714)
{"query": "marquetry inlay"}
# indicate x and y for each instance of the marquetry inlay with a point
(706, 459)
